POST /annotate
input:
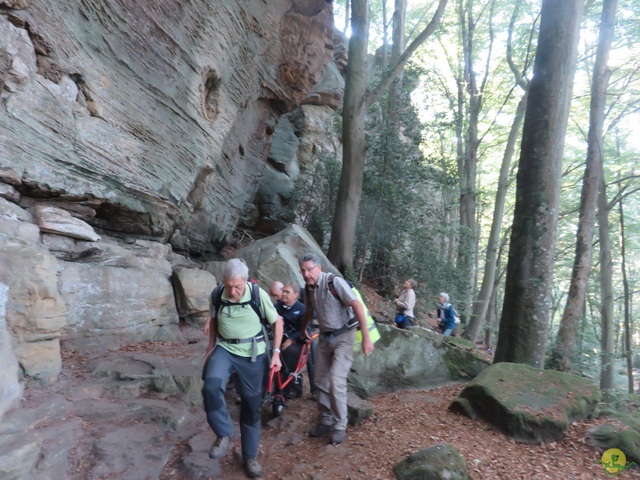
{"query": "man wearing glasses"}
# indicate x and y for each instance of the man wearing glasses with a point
(338, 318)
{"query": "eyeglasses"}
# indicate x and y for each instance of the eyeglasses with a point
(307, 270)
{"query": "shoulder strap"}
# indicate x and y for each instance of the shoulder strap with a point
(216, 298)
(332, 288)
(256, 304)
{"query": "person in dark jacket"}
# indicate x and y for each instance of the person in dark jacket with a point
(291, 310)
(446, 315)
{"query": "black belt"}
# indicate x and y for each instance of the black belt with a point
(333, 333)
(235, 341)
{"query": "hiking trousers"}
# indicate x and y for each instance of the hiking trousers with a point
(250, 375)
(333, 359)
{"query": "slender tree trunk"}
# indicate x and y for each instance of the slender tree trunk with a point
(492, 311)
(481, 304)
(625, 285)
(607, 337)
(564, 350)
(350, 187)
(468, 173)
(525, 315)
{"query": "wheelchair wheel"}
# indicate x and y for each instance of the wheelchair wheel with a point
(277, 406)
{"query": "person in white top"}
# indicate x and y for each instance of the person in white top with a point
(405, 304)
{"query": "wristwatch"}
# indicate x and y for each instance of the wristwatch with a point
(277, 350)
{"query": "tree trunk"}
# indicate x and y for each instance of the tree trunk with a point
(625, 285)
(564, 350)
(350, 187)
(493, 244)
(607, 338)
(468, 172)
(525, 315)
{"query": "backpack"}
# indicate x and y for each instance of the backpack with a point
(254, 301)
(374, 333)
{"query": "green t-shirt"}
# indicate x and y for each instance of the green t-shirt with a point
(240, 321)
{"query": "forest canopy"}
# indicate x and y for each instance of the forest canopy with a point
(442, 147)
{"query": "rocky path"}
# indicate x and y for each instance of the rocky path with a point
(134, 413)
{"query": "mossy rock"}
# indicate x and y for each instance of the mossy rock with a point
(434, 463)
(460, 342)
(614, 435)
(413, 358)
(528, 404)
(464, 363)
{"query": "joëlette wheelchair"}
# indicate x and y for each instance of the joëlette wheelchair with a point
(279, 381)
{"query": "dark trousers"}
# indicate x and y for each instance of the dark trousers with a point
(250, 375)
(406, 322)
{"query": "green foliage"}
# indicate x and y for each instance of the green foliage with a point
(315, 197)
(400, 232)
(408, 220)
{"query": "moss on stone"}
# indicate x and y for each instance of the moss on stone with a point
(527, 403)
(463, 363)
(434, 463)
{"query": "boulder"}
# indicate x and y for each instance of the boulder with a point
(438, 462)
(276, 257)
(35, 311)
(402, 357)
(192, 288)
(528, 404)
(10, 387)
(622, 431)
(117, 293)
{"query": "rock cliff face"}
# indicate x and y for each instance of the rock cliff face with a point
(153, 118)
(134, 138)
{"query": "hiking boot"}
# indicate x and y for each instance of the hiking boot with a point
(252, 468)
(220, 447)
(337, 437)
(320, 429)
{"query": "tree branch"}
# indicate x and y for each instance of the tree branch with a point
(371, 97)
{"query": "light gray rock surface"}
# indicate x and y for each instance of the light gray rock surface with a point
(159, 117)
(276, 257)
(56, 220)
(192, 288)
(10, 387)
(36, 312)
